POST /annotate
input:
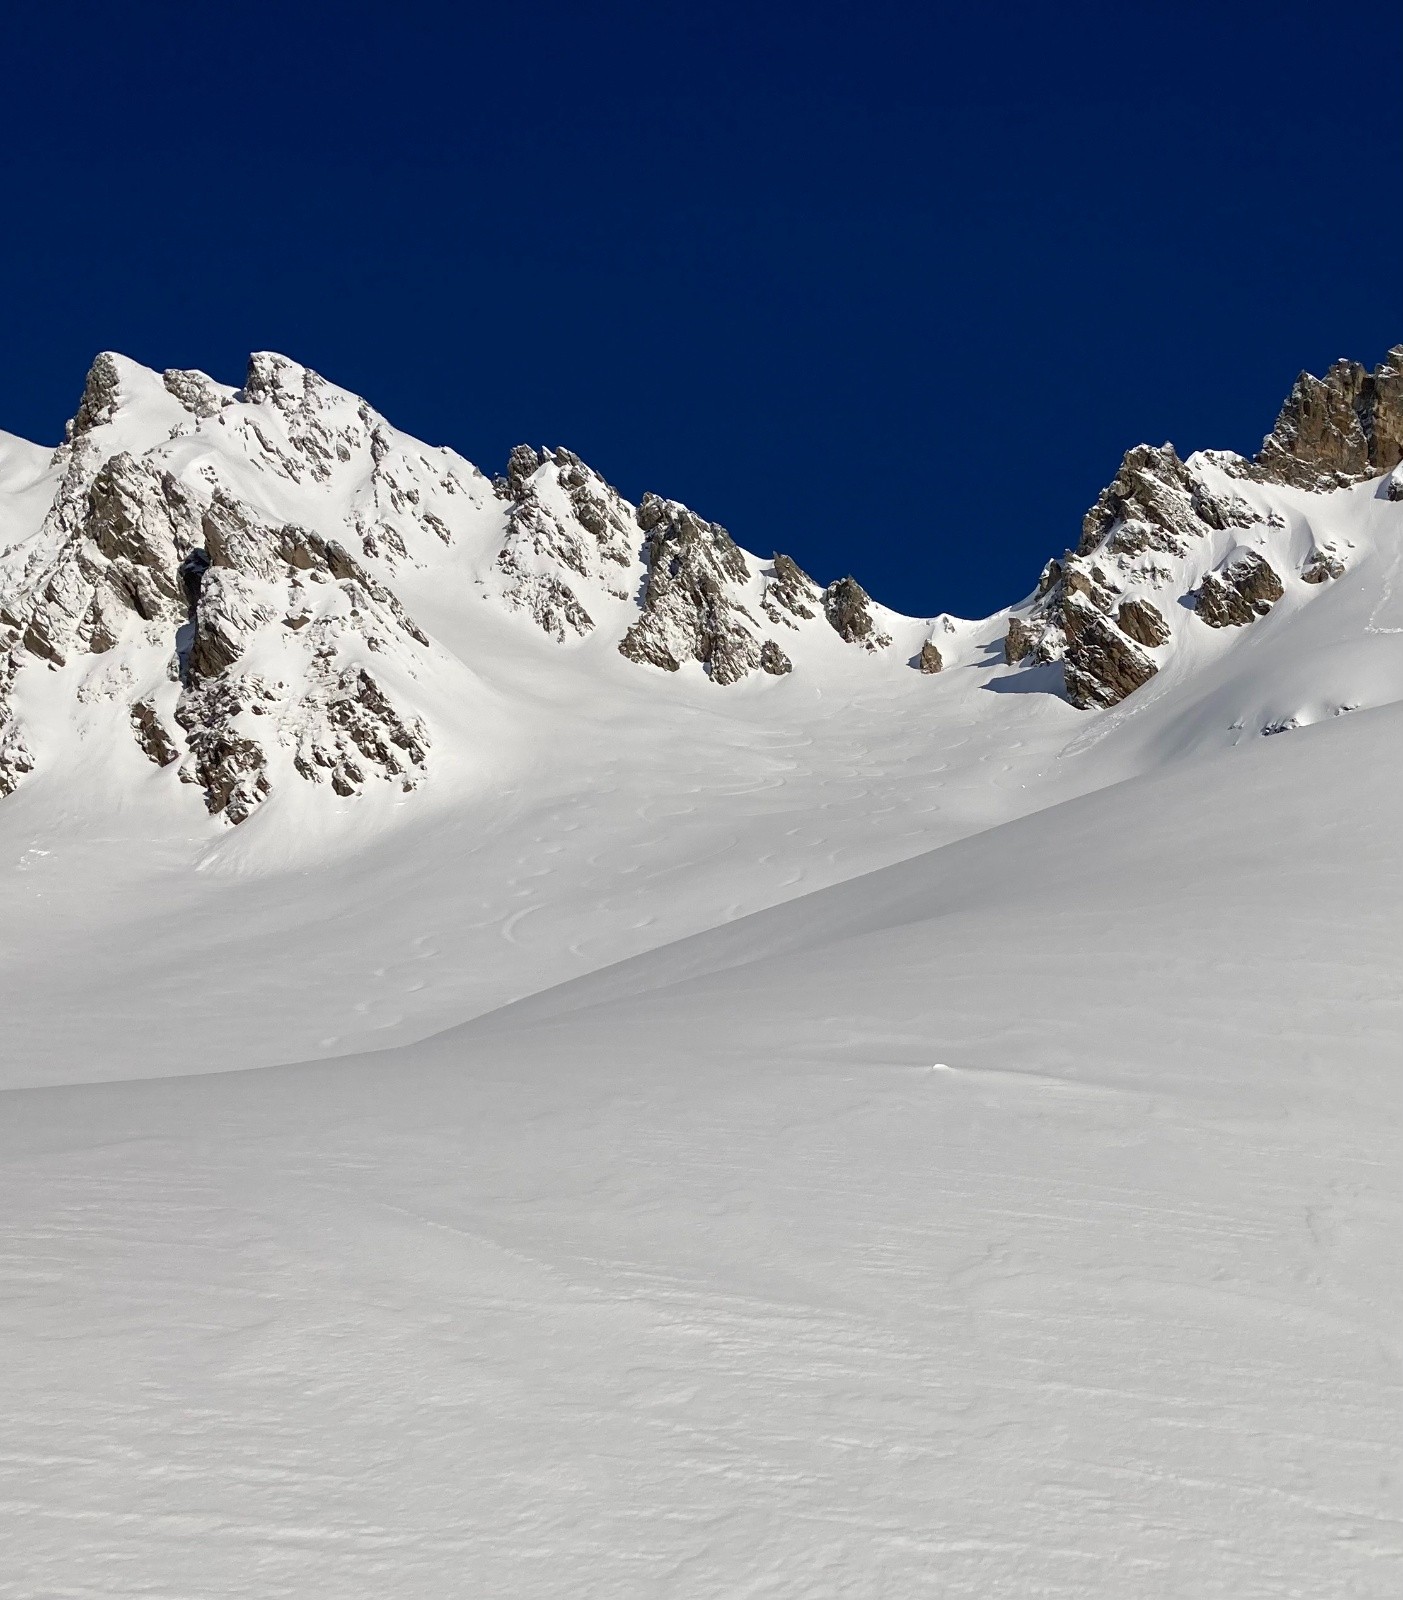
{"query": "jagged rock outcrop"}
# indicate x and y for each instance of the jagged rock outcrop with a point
(848, 607)
(99, 398)
(791, 595)
(1322, 564)
(199, 394)
(1339, 429)
(1244, 588)
(1154, 503)
(15, 757)
(773, 660)
(690, 609)
(132, 558)
(151, 734)
(335, 718)
(929, 660)
(1142, 622)
(1092, 609)
(562, 518)
(1101, 665)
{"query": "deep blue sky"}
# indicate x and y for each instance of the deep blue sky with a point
(890, 287)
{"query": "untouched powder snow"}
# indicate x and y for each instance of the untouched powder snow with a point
(728, 1131)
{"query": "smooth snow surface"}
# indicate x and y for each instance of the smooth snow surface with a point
(856, 1134)
(701, 1277)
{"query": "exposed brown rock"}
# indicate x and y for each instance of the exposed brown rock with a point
(1142, 622)
(196, 391)
(688, 614)
(227, 766)
(1339, 429)
(521, 466)
(99, 399)
(773, 660)
(1244, 588)
(847, 604)
(156, 744)
(791, 595)
(929, 659)
(1155, 503)
(1017, 642)
(1322, 564)
(1102, 666)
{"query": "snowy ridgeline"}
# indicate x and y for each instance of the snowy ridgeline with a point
(253, 589)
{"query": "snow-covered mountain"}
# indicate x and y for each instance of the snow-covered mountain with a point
(759, 1094)
(269, 586)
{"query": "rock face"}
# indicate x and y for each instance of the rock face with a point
(929, 660)
(1322, 564)
(1093, 609)
(791, 595)
(690, 610)
(1142, 622)
(563, 521)
(225, 567)
(1339, 429)
(1167, 537)
(848, 607)
(1244, 588)
(174, 579)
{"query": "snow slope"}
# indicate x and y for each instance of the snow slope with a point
(1021, 1220)
(845, 1130)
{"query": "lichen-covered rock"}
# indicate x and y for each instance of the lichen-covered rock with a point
(1244, 588)
(929, 659)
(1339, 429)
(1142, 622)
(690, 609)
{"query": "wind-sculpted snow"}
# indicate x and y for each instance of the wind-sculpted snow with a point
(1021, 1219)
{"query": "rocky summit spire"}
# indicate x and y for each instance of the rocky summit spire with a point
(1339, 429)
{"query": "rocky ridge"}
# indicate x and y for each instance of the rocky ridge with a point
(1168, 540)
(223, 568)
(229, 577)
